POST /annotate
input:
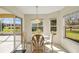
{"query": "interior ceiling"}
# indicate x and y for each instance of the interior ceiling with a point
(41, 9)
(2, 11)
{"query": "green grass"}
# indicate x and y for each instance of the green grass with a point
(72, 34)
(6, 29)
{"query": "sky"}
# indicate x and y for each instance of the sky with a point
(10, 20)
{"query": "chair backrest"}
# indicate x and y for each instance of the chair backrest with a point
(37, 42)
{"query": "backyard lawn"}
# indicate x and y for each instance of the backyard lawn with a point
(6, 29)
(72, 34)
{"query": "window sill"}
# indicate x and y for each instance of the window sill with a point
(73, 39)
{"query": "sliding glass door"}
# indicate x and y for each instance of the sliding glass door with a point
(17, 31)
(6, 35)
(10, 33)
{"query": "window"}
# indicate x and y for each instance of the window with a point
(7, 25)
(72, 26)
(37, 27)
(0, 25)
(18, 25)
(53, 24)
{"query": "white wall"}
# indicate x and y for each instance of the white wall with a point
(28, 29)
(70, 45)
(46, 25)
(28, 25)
(56, 38)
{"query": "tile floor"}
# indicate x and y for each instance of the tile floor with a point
(48, 49)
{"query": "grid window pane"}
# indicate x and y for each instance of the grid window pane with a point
(37, 27)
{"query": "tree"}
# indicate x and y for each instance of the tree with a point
(69, 23)
(0, 25)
